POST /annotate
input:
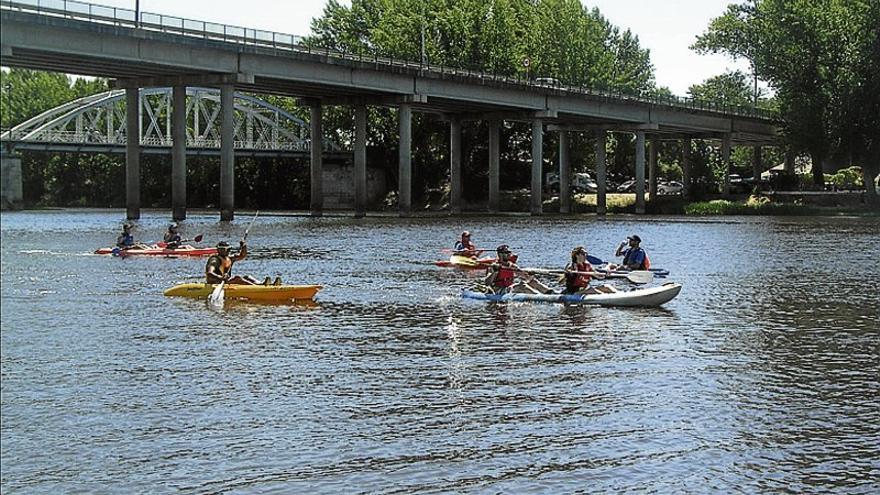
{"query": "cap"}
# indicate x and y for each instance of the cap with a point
(222, 245)
(635, 238)
(503, 249)
(173, 226)
(466, 233)
(126, 226)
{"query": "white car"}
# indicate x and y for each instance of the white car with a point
(580, 183)
(671, 187)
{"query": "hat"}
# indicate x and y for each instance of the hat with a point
(503, 249)
(126, 226)
(466, 233)
(222, 245)
(173, 226)
(635, 238)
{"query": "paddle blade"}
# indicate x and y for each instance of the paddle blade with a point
(197, 238)
(594, 260)
(162, 244)
(216, 297)
(640, 277)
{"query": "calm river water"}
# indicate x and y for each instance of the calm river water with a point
(762, 376)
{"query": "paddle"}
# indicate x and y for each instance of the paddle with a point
(475, 251)
(636, 277)
(198, 238)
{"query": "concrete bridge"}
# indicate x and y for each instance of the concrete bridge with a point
(152, 50)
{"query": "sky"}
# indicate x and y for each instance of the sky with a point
(666, 27)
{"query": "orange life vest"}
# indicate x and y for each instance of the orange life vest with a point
(582, 280)
(505, 276)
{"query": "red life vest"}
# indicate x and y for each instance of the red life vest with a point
(505, 276)
(583, 280)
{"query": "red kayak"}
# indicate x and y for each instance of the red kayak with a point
(183, 250)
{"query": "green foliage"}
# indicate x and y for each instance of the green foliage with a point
(25, 93)
(730, 88)
(847, 178)
(753, 206)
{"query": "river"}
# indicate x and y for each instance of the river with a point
(762, 376)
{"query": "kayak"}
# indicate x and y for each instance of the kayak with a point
(276, 293)
(649, 297)
(183, 250)
(456, 261)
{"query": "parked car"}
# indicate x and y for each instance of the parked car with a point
(628, 186)
(670, 187)
(738, 185)
(547, 81)
(580, 183)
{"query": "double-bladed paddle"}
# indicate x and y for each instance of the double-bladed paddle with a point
(636, 276)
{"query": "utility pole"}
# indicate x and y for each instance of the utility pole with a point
(137, 13)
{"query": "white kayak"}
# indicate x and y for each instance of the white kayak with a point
(648, 297)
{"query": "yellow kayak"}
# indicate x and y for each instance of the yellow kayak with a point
(276, 293)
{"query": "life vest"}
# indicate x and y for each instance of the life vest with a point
(224, 265)
(505, 276)
(125, 240)
(582, 281)
(646, 263)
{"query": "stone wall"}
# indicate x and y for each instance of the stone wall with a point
(339, 186)
(11, 195)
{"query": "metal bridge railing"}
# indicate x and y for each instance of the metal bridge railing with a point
(103, 14)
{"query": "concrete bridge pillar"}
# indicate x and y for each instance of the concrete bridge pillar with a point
(686, 167)
(640, 172)
(564, 174)
(227, 152)
(404, 197)
(494, 166)
(789, 162)
(757, 166)
(725, 162)
(132, 154)
(537, 200)
(178, 153)
(360, 161)
(316, 201)
(455, 165)
(601, 173)
(11, 190)
(653, 151)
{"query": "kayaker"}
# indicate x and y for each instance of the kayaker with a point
(634, 257)
(579, 272)
(219, 266)
(172, 237)
(125, 240)
(501, 275)
(464, 247)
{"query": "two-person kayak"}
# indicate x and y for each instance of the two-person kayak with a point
(266, 293)
(155, 250)
(648, 297)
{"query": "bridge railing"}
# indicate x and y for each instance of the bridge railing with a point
(73, 9)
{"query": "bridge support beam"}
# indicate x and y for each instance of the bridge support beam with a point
(316, 202)
(132, 154)
(686, 168)
(494, 166)
(757, 167)
(564, 174)
(404, 198)
(11, 185)
(653, 151)
(725, 162)
(601, 172)
(178, 153)
(455, 165)
(640, 172)
(360, 161)
(537, 201)
(227, 152)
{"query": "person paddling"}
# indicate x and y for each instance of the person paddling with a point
(172, 237)
(464, 246)
(501, 275)
(219, 266)
(634, 257)
(125, 240)
(579, 272)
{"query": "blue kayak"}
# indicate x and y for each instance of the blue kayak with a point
(658, 272)
(648, 297)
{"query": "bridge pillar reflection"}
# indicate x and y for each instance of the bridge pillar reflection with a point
(132, 154)
(640, 172)
(227, 153)
(316, 202)
(455, 165)
(564, 174)
(404, 198)
(653, 151)
(537, 200)
(601, 172)
(360, 161)
(494, 166)
(178, 153)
